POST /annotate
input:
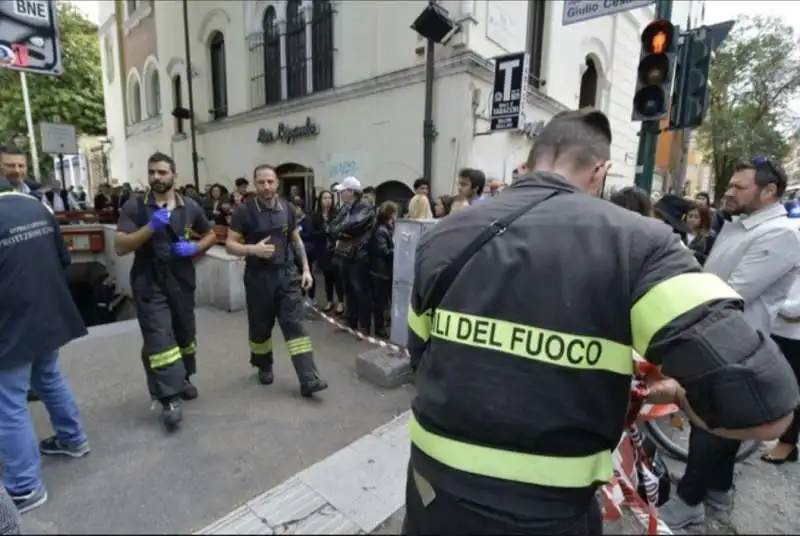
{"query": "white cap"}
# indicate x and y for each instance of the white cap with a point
(350, 183)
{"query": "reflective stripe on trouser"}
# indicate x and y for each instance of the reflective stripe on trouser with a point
(166, 319)
(274, 294)
(553, 471)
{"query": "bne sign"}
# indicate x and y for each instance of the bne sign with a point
(34, 9)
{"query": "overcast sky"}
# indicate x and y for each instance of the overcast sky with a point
(788, 10)
(90, 8)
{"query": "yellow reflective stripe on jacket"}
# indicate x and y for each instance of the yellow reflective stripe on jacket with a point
(529, 342)
(672, 298)
(190, 349)
(419, 324)
(261, 348)
(559, 472)
(165, 358)
(298, 346)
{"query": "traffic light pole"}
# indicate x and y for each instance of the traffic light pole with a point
(648, 135)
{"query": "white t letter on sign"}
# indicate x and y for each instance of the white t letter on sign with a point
(508, 67)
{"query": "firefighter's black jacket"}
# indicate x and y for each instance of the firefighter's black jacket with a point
(523, 370)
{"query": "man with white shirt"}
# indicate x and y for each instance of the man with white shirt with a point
(756, 254)
(786, 334)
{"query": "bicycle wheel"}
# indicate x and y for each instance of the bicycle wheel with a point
(671, 436)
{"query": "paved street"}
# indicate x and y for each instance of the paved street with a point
(239, 438)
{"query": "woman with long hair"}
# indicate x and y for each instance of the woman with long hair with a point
(419, 208)
(217, 196)
(442, 205)
(324, 213)
(700, 237)
(381, 261)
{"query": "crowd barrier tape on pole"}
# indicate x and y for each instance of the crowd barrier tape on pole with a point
(630, 459)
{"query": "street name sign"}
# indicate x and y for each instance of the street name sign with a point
(582, 10)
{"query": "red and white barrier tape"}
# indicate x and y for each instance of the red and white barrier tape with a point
(355, 333)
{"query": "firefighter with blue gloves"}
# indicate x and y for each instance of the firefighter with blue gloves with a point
(163, 282)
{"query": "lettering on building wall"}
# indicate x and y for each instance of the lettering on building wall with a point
(288, 133)
(343, 168)
(516, 339)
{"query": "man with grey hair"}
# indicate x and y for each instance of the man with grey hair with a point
(523, 386)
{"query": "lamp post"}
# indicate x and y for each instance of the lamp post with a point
(436, 26)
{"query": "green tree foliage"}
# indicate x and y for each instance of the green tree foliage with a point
(754, 75)
(75, 97)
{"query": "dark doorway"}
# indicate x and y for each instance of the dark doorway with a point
(299, 180)
(588, 94)
(395, 191)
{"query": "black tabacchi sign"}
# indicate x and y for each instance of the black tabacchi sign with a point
(509, 91)
(29, 39)
(288, 133)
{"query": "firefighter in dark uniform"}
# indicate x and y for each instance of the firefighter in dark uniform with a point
(263, 230)
(155, 227)
(523, 376)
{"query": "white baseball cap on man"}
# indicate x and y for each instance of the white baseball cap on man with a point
(350, 183)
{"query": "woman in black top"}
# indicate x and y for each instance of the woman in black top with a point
(381, 261)
(217, 197)
(321, 219)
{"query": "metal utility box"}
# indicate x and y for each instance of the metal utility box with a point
(406, 237)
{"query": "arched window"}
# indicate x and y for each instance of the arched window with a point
(588, 94)
(153, 94)
(272, 56)
(322, 45)
(219, 78)
(177, 101)
(295, 50)
(135, 103)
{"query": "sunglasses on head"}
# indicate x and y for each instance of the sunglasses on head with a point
(762, 162)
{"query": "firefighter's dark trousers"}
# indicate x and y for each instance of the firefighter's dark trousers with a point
(275, 293)
(431, 510)
(166, 318)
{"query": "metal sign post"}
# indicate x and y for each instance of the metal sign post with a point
(509, 92)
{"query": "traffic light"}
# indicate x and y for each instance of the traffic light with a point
(690, 101)
(654, 74)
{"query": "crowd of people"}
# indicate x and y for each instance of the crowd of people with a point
(751, 242)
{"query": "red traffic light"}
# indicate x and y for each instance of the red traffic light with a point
(657, 37)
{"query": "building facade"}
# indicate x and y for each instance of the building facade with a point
(324, 89)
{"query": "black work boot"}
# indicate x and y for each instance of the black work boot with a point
(172, 415)
(265, 376)
(189, 391)
(310, 380)
(312, 383)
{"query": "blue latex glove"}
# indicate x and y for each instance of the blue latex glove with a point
(159, 219)
(182, 248)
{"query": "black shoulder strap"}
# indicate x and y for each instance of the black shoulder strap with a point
(252, 214)
(496, 228)
(141, 211)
